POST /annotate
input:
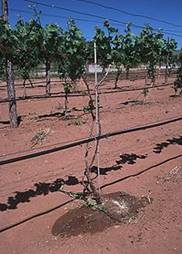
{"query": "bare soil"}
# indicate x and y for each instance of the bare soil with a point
(142, 164)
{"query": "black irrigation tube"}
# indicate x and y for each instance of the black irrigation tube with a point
(37, 83)
(37, 97)
(60, 81)
(13, 225)
(35, 216)
(88, 140)
(33, 83)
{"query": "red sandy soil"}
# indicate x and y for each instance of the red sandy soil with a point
(158, 175)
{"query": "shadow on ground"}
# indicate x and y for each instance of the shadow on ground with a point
(124, 159)
(38, 190)
(140, 172)
(174, 141)
(46, 188)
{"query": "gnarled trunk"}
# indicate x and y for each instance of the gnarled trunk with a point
(11, 95)
(66, 105)
(10, 78)
(166, 70)
(24, 89)
(48, 78)
(127, 72)
(117, 77)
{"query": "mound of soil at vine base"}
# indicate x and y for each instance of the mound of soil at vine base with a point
(116, 207)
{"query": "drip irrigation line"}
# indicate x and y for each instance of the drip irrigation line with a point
(28, 86)
(162, 73)
(34, 149)
(141, 150)
(34, 216)
(13, 225)
(141, 172)
(88, 140)
(60, 95)
(33, 83)
(49, 177)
